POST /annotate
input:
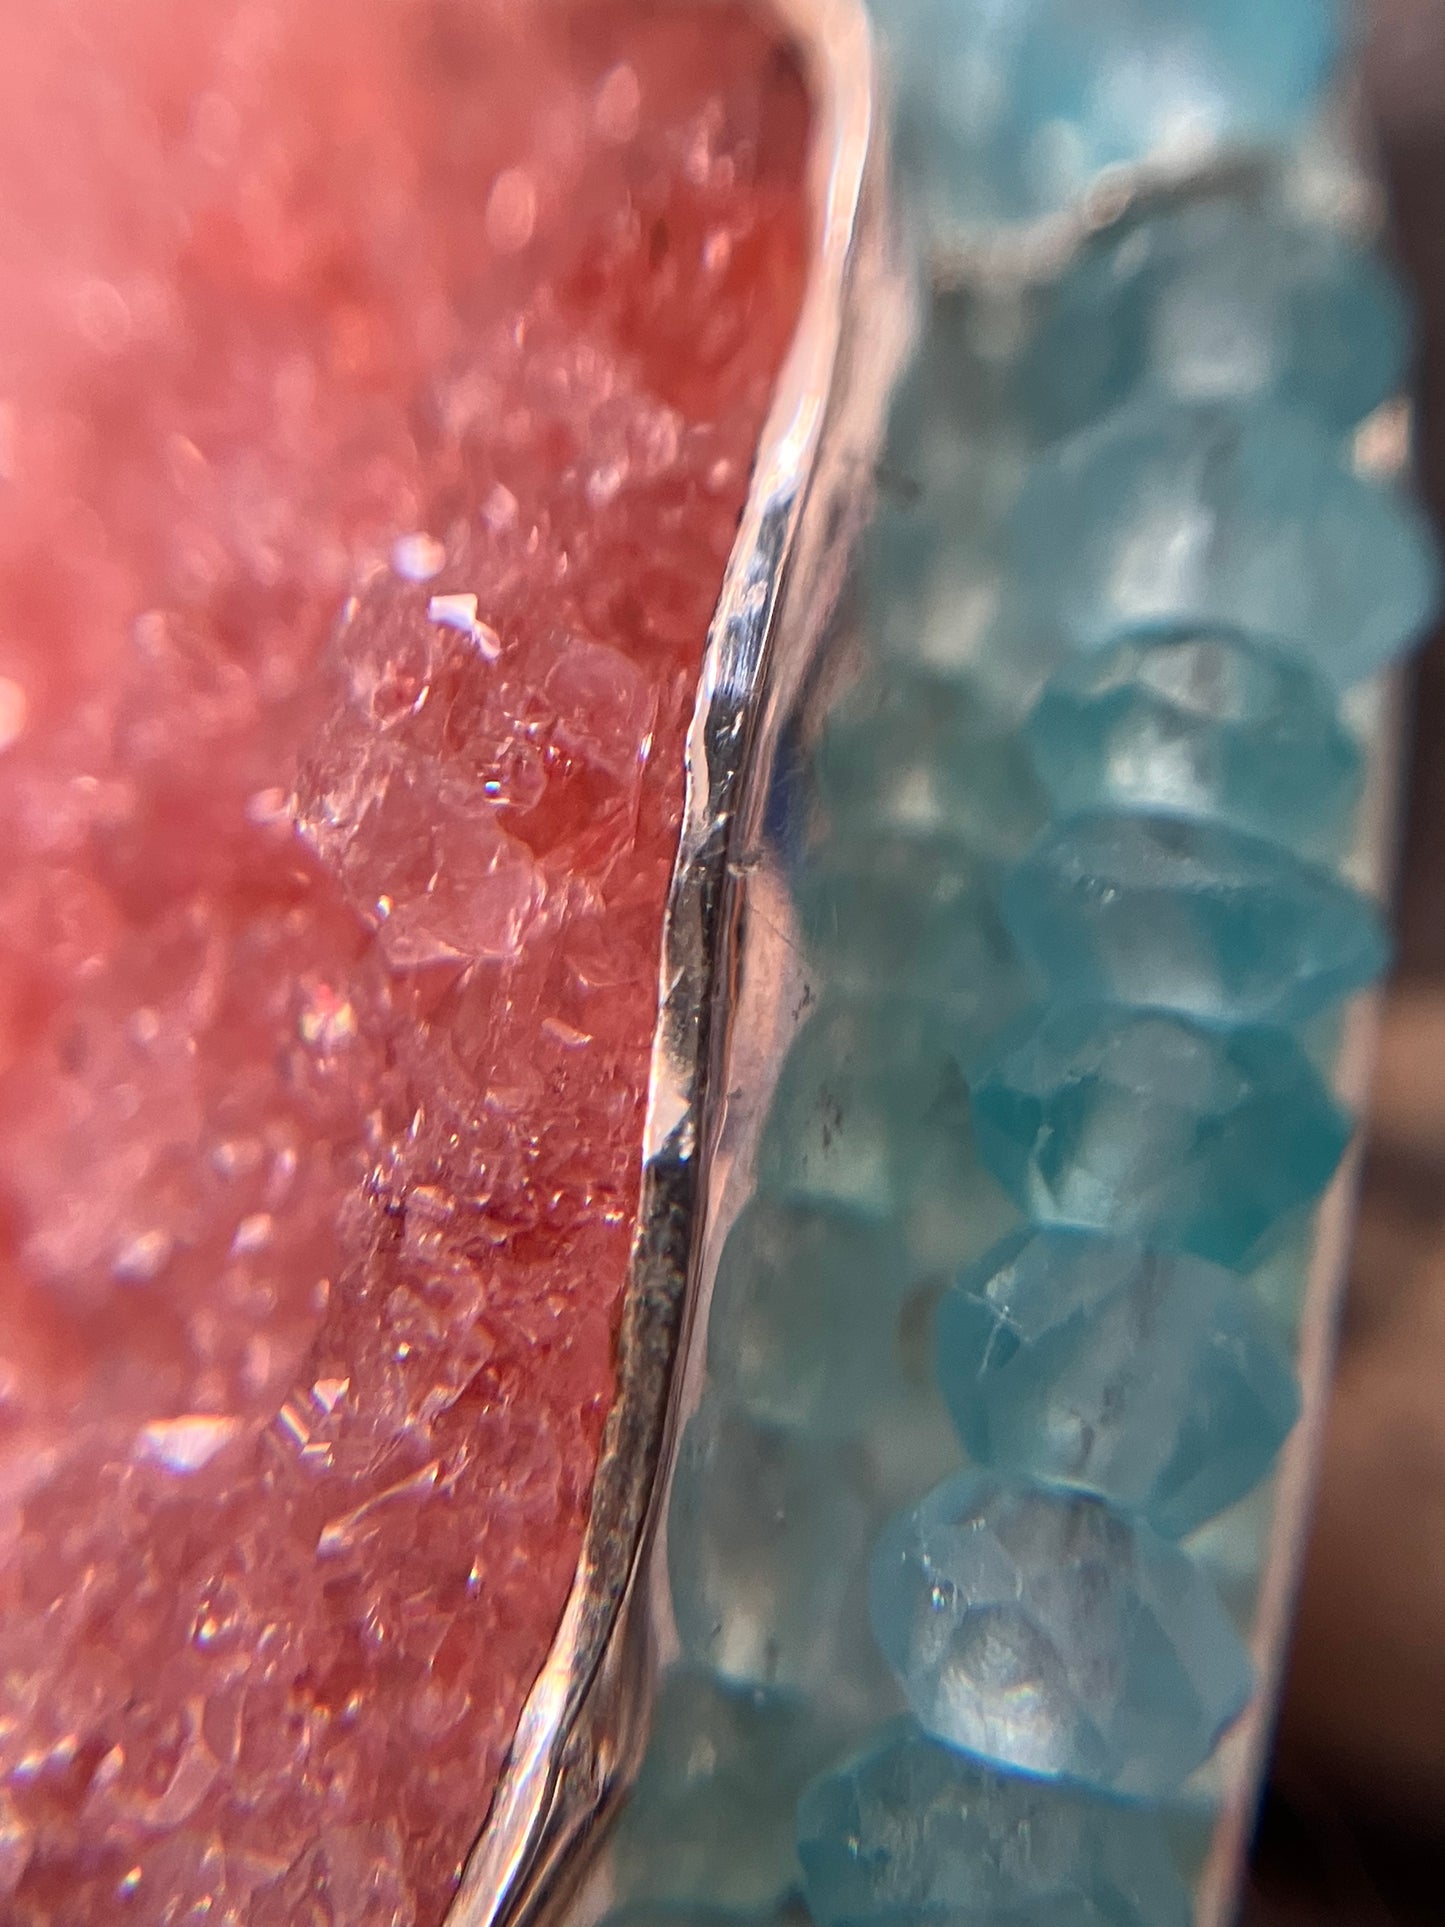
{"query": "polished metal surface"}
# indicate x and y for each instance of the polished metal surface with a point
(583, 1726)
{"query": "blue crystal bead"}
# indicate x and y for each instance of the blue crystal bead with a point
(1010, 112)
(1153, 1125)
(763, 1541)
(871, 1115)
(917, 915)
(1218, 299)
(1042, 1630)
(914, 1834)
(1225, 517)
(803, 1317)
(1203, 724)
(921, 756)
(724, 1768)
(1154, 1380)
(1133, 909)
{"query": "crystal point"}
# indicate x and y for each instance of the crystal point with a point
(1152, 1125)
(1041, 1630)
(1153, 1380)
(910, 1833)
(1134, 909)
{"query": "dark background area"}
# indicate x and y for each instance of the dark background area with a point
(1353, 1828)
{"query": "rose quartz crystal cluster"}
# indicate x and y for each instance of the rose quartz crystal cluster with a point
(379, 381)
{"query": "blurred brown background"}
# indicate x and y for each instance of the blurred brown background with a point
(1353, 1829)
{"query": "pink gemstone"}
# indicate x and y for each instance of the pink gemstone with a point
(328, 968)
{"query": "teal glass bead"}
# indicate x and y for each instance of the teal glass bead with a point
(1156, 910)
(1221, 516)
(1221, 298)
(710, 1819)
(922, 756)
(1154, 1126)
(917, 916)
(764, 1539)
(1041, 1630)
(804, 1315)
(914, 1834)
(1204, 724)
(1011, 112)
(1154, 1380)
(871, 1116)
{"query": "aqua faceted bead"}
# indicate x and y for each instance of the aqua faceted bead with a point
(922, 756)
(1011, 112)
(1225, 516)
(870, 1116)
(709, 1821)
(1204, 724)
(1041, 1630)
(1152, 1379)
(915, 915)
(804, 1313)
(914, 1834)
(1220, 298)
(1157, 910)
(764, 1538)
(1155, 1126)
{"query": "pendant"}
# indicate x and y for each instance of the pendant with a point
(699, 744)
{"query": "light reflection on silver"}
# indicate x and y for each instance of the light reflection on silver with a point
(583, 1725)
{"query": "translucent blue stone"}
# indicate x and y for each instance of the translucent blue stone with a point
(915, 915)
(920, 755)
(804, 1316)
(871, 1115)
(1151, 1379)
(763, 1542)
(1041, 1630)
(1155, 1126)
(725, 1765)
(914, 1834)
(1009, 112)
(1215, 515)
(1219, 298)
(1135, 909)
(1202, 724)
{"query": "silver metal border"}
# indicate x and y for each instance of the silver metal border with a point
(582, 1729)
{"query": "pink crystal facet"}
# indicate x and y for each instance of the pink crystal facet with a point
(378, 388)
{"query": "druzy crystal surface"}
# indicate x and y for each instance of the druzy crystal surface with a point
(456, 324)
(909, 1833)
(1151, 1378)
(1042, 1630)
(1222, 514)
(1200, 724)
(1153, 1125)
(1129, 908)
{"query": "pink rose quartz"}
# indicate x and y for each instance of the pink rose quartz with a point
(378, 385)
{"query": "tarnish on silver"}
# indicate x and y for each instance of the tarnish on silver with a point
(583, 1728)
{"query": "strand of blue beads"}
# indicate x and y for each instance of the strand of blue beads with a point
(1005, 1334)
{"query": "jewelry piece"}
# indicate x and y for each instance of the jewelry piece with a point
(1000, 538)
